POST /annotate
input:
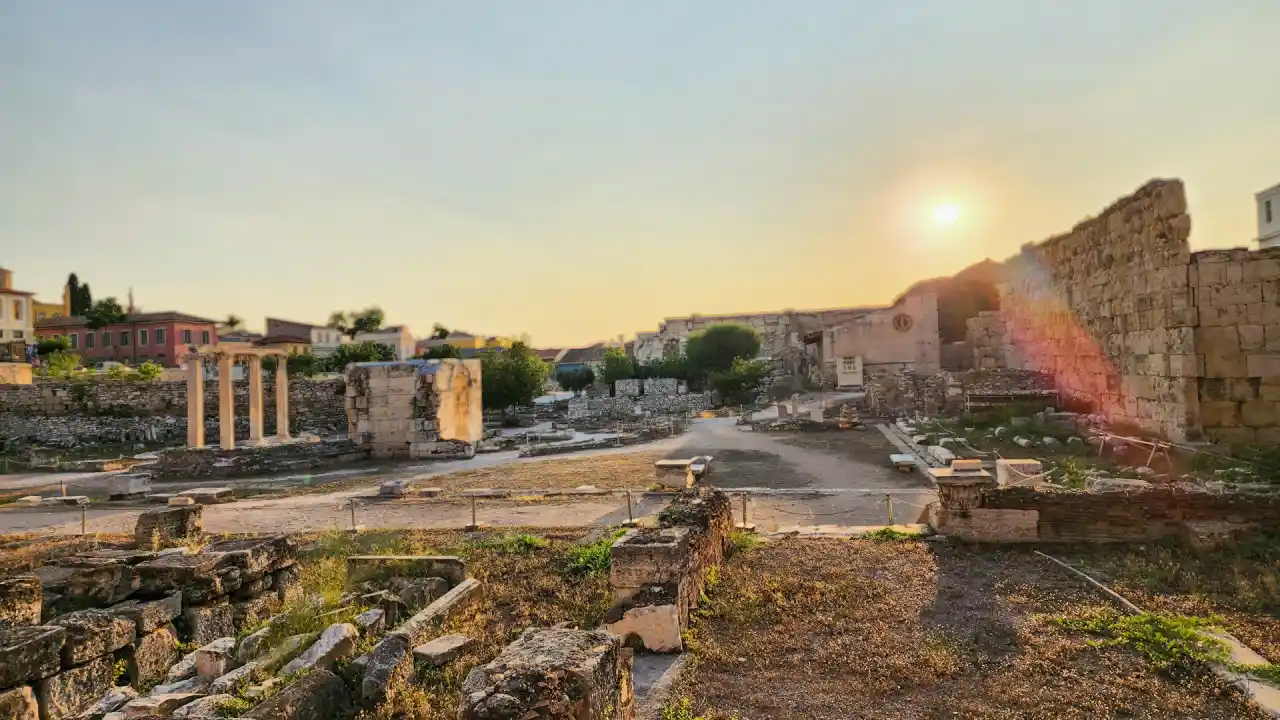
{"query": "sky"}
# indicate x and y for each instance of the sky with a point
(580, 170)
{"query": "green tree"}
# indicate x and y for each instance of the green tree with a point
(358, 352)
(739, 384)
(440, 352)
(617, 366)
(73, 293)
(86, 299)
(576, 380)
(439, 332)
(233, 321)
(104, 313)
(61, 364)
(57, 343)
(677, 367)
(121, 372)
(354, 323)
(150, 371)
(514, 376)
(714, 349)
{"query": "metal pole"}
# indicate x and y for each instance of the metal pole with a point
(473, 511)
(889, 504)
(353, 514)
(63, 484)
(84, 519)
(630, 518)
(744, 509)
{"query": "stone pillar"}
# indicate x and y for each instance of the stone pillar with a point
(255, 400)
(226, 402)
(282, 398)
(195, 402)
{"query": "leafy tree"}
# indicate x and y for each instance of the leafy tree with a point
(357, 352)
(86, 300)
(676, 367)
(441, 352)
(354, 323)
(61, 364)
(73, 294)
(439, 332)
(739, 384)
(49, 345)
(514, 376)
(576, 380)
(121, 372)
(714, 349)
(104, 313)
(150, 371)
(233, 321)
(617, 366)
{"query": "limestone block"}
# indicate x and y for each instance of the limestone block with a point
(93, 633)
(419, 593)
(1262, 365)
(335, 643)
(390, 663)
(198, 577)
(205, 623)
(66, 694)
(86, 582)
(183, 669)
(205, 707)
(1252, 337)
(285, 651)
(987, 525)
(319, 695)
(582, 674)
(656, 626)
(252, 645)
(165, 525)
(21, 597)
(29, 653)
(216, 658)
(432, 617)
(116, 698)
(1258, 413)
(158, 705)
(371, 623)
(235, 679)
(150, 659)
(19, 704)
(248, 613)
(150, 615)
(442, 650)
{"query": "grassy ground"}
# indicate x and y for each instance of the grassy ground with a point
(1239, 584)
(19, 553)
(840, 629)
(612, 472)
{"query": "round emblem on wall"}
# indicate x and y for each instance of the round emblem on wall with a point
(902, 322)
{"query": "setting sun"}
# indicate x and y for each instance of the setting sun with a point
(945, 214)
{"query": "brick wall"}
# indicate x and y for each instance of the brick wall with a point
(1237, 295)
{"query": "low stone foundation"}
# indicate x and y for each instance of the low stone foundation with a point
(213, 462)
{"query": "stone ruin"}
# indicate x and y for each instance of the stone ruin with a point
(415, 409)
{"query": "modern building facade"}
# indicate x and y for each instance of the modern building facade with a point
(15, 310)
(323, 340)
(396, 337)
(1269, 217)
(161, 337)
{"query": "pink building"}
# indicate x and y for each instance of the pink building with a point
(161, 337)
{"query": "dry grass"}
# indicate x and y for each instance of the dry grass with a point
(840, 629)
(609, 472)
(21, 552)
(1239, 584)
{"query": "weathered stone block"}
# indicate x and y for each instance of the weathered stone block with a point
(86, 582)
(71, 691)
(205, 623)
(320, 695)
(390, 663)
(257, 556)
(431, 618)
(107, 705)
(365, 567)
(19, 704)
(149, 660)
(216, 658)
(442, 650)
(235, 679)
(419, 593)
(158, 705)
(195, 576)
(150, 615)
(1258, 413)
(1262, 365)
(649, 557)
(92, 634)
(553, 674)
(335, 643)
(20, 601)
(204, 708)
(288, 584)
(166, 525)
(371, 623)
(29, 653)
(657, 627)
(248, 613)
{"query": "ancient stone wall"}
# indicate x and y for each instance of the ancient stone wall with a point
(957, 356)
(624, 407)
(1237, 297)
(15, 373)
(68, 414)
(415, 408)
(1107, 309)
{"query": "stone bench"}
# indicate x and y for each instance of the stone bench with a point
(902, 463)
(676, 472)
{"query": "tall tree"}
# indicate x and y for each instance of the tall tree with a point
(715, 349)
(233, 321)
(354, 323)
(73, 294)
(441, 352)
(514, 376)
(86, 299)
(439, 332)
(617, 366)
(104, 313)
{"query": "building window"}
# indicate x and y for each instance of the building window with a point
(204, 337)
(90, 339)
(159, 336)
(1268, 206)
(17, 309)
(1, 334)
(186, 337)
(106, 339)
(124, 338)
(75, 340)
(41, 315)
(143, 338)
(17, 335)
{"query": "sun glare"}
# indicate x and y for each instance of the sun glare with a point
(945, 215)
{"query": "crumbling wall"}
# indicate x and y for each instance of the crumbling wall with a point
(1237, 295)
(622, 407)
(403, 409)
(1107, 309)
(15, 373)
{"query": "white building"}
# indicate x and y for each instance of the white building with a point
(15, 311)
(396, 337)
(324, 340)
(1269, 217)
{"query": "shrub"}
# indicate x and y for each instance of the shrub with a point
(576, 380)
(121, 372)
(150, 371)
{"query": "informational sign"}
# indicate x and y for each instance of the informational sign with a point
(902, 322)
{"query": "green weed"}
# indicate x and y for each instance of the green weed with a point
(593, 559)
(741, 542)
(888, 534)
(1175, 643)
(682, 709)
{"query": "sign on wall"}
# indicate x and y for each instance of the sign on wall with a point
(902, 322)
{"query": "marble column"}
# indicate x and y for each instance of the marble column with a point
(255, 400)
(226, 402)
(282, 398)
(195, 402)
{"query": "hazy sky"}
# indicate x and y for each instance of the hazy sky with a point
(576, 170)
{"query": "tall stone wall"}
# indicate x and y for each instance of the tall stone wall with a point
(1108, 310)
(66, 414)
(1237, 294)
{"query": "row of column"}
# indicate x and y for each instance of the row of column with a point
(227, 404)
